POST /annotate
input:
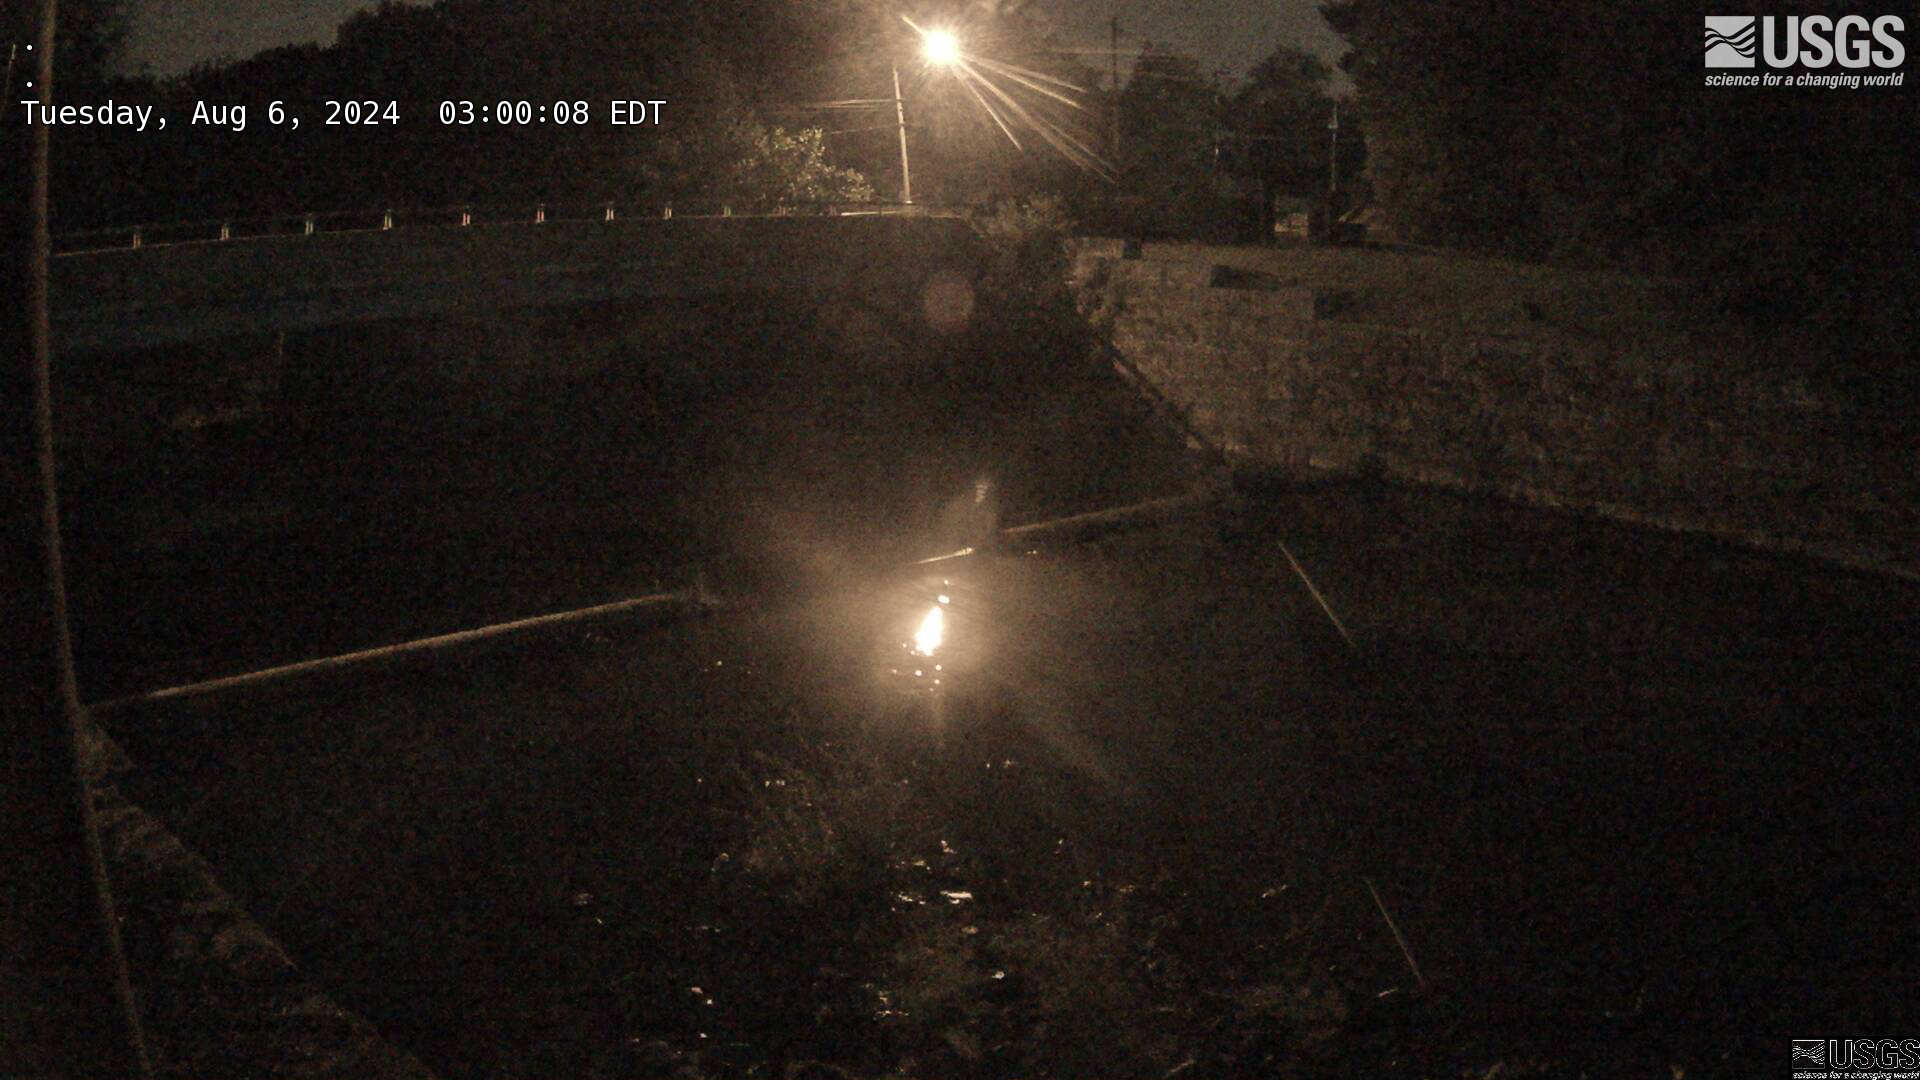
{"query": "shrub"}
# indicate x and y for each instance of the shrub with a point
(783, 170)
(1029, 321)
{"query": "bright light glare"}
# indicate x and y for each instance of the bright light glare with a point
(976, 74)
(942, 47)
(932, 628)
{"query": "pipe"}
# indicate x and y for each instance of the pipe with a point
(1318, 598)
(693, 596)
(1118, 515)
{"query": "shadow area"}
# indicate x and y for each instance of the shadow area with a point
(260, 501)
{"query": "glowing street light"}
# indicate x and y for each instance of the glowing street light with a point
(942, 48)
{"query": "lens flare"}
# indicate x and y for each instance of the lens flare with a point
(932, 629)
(942, 47)
(977, 74)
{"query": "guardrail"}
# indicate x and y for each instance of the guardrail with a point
(463, 215)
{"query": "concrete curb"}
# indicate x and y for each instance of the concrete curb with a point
(1412, 474)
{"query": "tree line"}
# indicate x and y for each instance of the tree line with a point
(1576, 133)
(1581, 132)
(749, 87)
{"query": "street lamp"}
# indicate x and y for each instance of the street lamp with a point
(940, 48)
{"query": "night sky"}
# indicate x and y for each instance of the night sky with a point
(172, 35)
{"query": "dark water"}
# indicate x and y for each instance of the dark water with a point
(407, 479)
(1633, 801)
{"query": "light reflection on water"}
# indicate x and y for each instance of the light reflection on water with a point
(925, 634)
(932, 629)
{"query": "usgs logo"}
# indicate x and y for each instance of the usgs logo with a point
(1837, 1055)
(1807, 41)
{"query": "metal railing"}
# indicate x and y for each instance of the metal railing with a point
(462, 215)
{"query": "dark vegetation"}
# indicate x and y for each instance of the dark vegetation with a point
(1581, 132)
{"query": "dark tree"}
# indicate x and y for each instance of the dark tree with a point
(1172, 136)
(1280, 136)
(1579, 132)
(88, 42)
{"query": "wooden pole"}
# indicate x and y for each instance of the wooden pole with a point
(66, 1003)
(1113, 139)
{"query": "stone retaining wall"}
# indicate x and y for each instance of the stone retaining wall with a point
(1632, 430)
(217, 994)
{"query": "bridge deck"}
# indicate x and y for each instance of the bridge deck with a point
(105, 301)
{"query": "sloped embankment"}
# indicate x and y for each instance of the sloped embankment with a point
(1601, 392)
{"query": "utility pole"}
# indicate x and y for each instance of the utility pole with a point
(1113, 148)
(66, 1005)
(900, 114)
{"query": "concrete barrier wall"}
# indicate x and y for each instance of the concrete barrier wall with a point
(103, 301)
(1603, 426)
